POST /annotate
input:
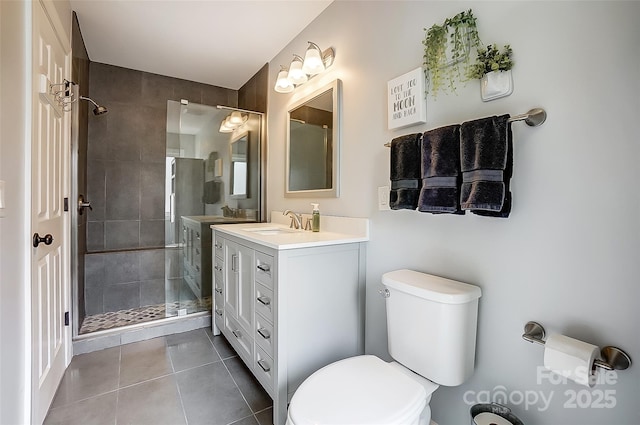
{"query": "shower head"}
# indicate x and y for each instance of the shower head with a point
(98, 110)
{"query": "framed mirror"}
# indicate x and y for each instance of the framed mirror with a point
(313, 144)
(239, 170)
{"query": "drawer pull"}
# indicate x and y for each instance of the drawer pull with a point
(218, 268)
(264, 333)
(264, 267)
(264, 365)
(197, 251)
(198, 268)
(219, 312)
(218, 245)
(234, 258)
(264, 300)
(219, 290)
(237, 334)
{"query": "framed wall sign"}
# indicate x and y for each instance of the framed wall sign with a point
(407, 102)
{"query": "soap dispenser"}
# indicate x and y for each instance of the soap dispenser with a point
(315, 218)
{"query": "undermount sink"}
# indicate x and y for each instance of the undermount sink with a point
(270, 230)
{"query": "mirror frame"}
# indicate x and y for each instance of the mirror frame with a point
(334, 190)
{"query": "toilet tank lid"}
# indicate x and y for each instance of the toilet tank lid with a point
(434, 288)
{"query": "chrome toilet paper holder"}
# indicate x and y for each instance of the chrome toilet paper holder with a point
(612, 357)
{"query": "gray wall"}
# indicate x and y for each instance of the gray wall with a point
(568, 254)
(126, 155)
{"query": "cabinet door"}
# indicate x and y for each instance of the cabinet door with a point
(245, 278)
(238, 281)
(230, 289)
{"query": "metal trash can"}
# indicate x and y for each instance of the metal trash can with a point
(493, 414)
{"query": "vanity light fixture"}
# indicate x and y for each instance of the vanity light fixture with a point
(301, 70)
(283, 85)
(234, 120)
(296, 74)
(313, 60)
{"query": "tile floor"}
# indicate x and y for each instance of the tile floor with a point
(187, 378)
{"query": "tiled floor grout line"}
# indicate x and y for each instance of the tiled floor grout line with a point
(173, 368)
(146, 380)
(242, 394)
(242, 418)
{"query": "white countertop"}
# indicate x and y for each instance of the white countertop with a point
(278, 235)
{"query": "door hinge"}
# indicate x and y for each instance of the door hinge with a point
(66, 318)
(66, 204)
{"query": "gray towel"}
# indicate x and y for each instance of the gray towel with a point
(440, 171)
(405, 172)
(212, 192)
(486, 160)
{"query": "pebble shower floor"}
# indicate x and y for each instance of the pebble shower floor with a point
(116, 319)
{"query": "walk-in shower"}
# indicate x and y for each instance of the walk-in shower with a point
(157, 176)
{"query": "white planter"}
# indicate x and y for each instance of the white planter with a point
(496, 84)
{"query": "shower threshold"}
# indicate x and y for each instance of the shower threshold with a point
(133, 316)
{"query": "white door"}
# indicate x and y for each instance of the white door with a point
(50, 267)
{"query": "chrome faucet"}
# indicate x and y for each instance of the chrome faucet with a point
(296, 219)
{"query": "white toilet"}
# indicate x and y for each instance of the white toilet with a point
(431, 327)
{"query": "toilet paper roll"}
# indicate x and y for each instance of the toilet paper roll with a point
(571, 358)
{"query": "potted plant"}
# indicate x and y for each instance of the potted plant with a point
(446, 51)
(493, 68)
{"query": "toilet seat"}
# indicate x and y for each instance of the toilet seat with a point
(362, 390)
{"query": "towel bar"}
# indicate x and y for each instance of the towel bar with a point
(613, 357)
(533, 117)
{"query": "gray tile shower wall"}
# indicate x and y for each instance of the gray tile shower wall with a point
(126, 154)
(123, 280)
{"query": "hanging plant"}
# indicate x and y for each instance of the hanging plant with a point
(491, 59)
(446, 51)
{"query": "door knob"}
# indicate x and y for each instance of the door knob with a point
(47, 239)
(82, 204)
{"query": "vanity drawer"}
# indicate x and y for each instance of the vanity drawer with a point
(218, 268)
(264, 301)
(239, 339)
(218, 287)
(218, 246)
(264, 334)
(263, 369)
(264, 269)
(218, 312)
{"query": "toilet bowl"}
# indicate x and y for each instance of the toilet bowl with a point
(362, 390)
(431, 324)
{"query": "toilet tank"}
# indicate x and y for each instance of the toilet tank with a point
(431, 325)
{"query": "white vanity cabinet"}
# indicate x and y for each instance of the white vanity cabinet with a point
(288, 310)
